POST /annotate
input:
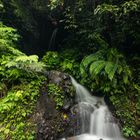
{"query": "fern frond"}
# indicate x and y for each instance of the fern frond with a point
(26, 63)
(30, 59)
(13, 63)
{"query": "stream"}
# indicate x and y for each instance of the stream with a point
(97, 122)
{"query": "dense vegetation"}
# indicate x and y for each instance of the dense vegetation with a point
(100, 49)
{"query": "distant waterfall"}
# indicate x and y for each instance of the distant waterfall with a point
(97, 122)
(52, 40)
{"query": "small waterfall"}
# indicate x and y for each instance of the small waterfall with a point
(52, 40)
(97, 122)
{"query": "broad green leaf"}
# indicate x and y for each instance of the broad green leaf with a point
(110, 69)
(93, 57)
(120, 69)
(82, 69)
(112, 73)
(96, 67)
(88, 60)
(125, 78)
(109, 66)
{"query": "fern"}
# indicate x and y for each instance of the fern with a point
(26, 63)
(13, 63)
(8, 38)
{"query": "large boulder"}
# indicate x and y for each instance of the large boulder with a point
(52, 123)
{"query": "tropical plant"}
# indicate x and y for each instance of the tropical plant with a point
(15, 110)
(13, 63)
(106, 62)
(51, 59)
(19, 87)
(54, 3)
(65, 60)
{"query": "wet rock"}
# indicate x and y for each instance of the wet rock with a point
(53, 124)
(58, 78)
(72, 138)
(67, 105)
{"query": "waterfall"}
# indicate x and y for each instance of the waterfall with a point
(52, 40)
(97, 122)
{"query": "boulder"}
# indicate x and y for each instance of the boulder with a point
(52, 123)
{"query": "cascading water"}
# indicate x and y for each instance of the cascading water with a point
(52, 40)
(97, 123)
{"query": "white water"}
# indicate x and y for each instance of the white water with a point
(52, 40)
(97, 122)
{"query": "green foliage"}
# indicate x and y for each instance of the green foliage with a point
(52, 60)
(138, 106)
(64, 61)
(106, 63)
(110, 30)
(107, 72)
(57, 94)
(26, 63)
(18, 66)
(70, 23)
(8, 38)
(3, 89)
(54, 3)
(15, 111)
(19, 87)
(129, 131)
(69, 61)
(129, 111)
(120, 23)
(103, 34)
(67, 65)
(24, 15)
(1, 7)
(13, 63)
(7, 51)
